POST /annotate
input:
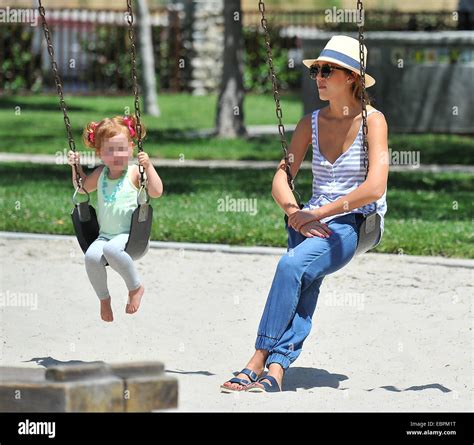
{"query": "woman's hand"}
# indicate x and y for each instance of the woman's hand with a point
(73, 158)
(315, 228)
(298, 219)
(144, 160)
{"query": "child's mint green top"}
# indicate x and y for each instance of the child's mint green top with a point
(115, 216)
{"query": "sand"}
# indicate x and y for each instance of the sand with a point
(390, 332)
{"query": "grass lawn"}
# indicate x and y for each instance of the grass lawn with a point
(34, 124)
(429, 214)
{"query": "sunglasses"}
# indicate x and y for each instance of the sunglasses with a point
(325, 71)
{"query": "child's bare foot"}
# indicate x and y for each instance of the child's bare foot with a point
(134, 298)
(106, 310)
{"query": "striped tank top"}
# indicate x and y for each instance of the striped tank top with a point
(333, 181)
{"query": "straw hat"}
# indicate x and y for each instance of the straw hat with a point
(343, 51)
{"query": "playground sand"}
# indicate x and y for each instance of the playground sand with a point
(390, 332)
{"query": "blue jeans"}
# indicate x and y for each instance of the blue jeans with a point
(286, 319)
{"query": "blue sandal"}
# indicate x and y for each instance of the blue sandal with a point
(267, 387)
(252, 375)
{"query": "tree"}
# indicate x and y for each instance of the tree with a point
(150, 96)
(230, 115)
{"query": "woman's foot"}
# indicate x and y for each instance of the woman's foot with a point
(274, 370)
(134, 299)
(256, 364)
(106, 310)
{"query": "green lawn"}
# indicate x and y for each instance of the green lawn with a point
(34, 124)
(429, 214)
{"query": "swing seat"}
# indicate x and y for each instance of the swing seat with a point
(140, 231)
(86, 227)
(369, 233)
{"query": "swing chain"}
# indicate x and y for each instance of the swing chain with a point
(363, 100)
(59, 89)
(131, 36)
(276, 97)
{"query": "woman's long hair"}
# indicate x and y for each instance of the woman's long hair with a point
(357, 88)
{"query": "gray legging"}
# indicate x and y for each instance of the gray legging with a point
(103, 251)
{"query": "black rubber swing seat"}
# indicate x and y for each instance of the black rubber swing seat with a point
(86, 227)
(370, 232)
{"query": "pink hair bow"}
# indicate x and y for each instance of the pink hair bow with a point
(129, 123)
(91, 135)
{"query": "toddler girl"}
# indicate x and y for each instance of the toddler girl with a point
(117, 184)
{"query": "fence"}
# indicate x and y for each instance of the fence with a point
(374, 20)
(92, 47)
(92, 50)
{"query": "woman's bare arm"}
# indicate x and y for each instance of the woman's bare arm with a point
(281, 191)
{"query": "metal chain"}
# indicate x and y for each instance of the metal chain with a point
(133, 51)
(59, 86)
(276, 97)
(363, 101)
(59, 89)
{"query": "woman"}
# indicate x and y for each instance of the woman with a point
(323, 236)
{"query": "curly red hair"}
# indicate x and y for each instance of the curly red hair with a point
(95, 132)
